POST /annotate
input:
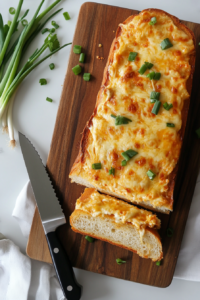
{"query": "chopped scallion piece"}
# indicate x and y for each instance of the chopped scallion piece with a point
(157, 76)
(170, 232)
(126, 156)
(82, 58)
(96, 166)
(167, 106)
(77, 49)
(151, 174)
(52, 30)
(152, 100)
(158, 263)
(43, 81)
(120, 261)
(151, 75)
(24, 22)
(52, 66)
(120, 120)
(153, 21)
(124, 163)
(165, 44)
(149, 65)
(111, 171)
(143, 69)
(77, 70)
(113, 116)
(170, 124)
(49, 99)
(54, 24)
(198, 133)
(155, 95)
(86, 76)
(66, 16)
(156, 107)
(129, 154)
(89, 238)
(12, 10)
(132, 56)
(45, 30)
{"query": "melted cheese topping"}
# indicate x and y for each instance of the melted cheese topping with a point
(101, 205)
(128, 94)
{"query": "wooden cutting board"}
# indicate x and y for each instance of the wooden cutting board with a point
(96, 25)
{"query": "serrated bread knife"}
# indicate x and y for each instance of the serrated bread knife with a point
(51, 216)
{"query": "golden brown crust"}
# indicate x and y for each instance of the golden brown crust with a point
(184, 113)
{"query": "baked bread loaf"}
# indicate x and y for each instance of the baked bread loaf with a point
(119, 223)
(131, 145)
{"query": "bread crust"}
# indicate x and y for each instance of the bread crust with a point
(184, 113)
(154, 232)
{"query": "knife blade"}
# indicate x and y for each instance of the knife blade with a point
(52, 217)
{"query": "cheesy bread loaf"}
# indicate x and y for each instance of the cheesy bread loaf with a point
(119, 223)
(131, 145)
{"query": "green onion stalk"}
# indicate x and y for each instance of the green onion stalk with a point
(11, 56)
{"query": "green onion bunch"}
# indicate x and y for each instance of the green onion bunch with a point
(12, 73)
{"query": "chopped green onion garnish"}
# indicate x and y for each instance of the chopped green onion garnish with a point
(49, 99)
(129, 154)
(111, 171)
(53, 23)
(144, 67)
(89, 238)
(156, 107)
(113, 116)
(120, 261)
(158, 263)
(52, 66)
(24, 22)
(77, 49)
(86, 76)
(126, 156)
(124, 163)
(149, 65)
(157, 76)
(155, 95)
(170, 232)
(153, 21)
(96, 166)
(132, 56)
(66, 16)
(152, 100)
(170, 125)
(165, 44)
(12, 10)
(9, 23)
(43, 81)
(77, 70)
(151, 174)
(120, 120)
(52, 30)
(198, 132)
(167, 106)
(82, 58)
(45, 30)
(151, 75)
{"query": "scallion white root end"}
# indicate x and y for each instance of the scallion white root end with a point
(10, 121)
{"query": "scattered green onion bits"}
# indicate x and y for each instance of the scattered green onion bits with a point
(86, 76)
(45, 30)
(49, 99)
(120, 261)
(167, 106)
(111, 171)
(144, 67)
(151, 174)
(155, 95)
(158, 263)
(129, 154)
(66, 15)
(52, 30)
(153, 75)
(77, 70)
(24, 22)
(124, 163)
(54, 24)
(170, 232)
(96, 166)
(77, 49)
(89, 238)
(156, 107)
(170, 125)
(12, 10)
(132, 56)
(165, 44)
(120, 120)
(153, 21)
(52, 66)
(82, 58)
(43, 81)
(198, 132)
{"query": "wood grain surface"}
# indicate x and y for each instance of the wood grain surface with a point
(96, 24)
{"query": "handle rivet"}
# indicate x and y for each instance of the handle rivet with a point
(55, 250)
(69, 288)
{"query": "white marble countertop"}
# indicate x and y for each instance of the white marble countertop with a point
(35, 117)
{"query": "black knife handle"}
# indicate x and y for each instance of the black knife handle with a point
(64, 270)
